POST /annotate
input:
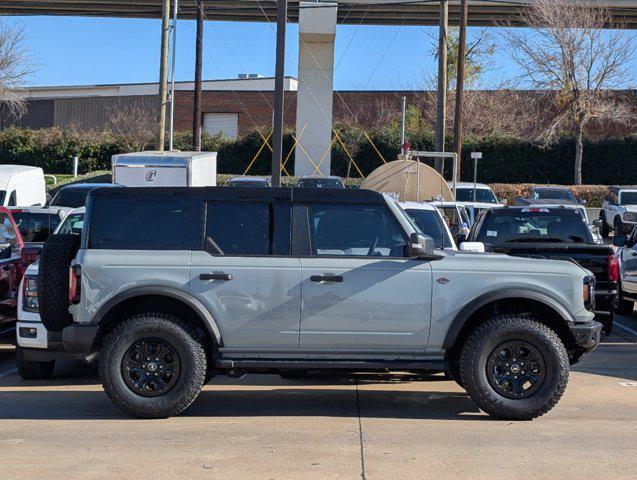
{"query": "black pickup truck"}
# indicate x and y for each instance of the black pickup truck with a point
(559, 233)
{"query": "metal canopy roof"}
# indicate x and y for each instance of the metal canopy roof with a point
(370, 12)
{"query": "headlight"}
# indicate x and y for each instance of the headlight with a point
(30, 294)
(630, 217)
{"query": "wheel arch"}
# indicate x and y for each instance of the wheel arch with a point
(517, 301)
(160, 299)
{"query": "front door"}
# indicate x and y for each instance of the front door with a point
(246, 278)
(360, 292)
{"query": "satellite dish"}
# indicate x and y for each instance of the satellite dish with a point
(409, 181)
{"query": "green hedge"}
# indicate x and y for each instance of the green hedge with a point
(505, 160)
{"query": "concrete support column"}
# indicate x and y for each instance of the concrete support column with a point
(317, 30)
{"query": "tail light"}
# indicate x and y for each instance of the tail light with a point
(74, 284)
(30, 255)
(589, 292)
(613, 268)
(30, 294)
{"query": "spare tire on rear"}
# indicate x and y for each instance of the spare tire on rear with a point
(53, 280)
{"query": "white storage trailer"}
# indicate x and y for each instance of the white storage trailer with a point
(165, 169)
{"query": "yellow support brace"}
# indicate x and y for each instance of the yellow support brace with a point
(349, 155)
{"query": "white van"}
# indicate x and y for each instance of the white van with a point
(22, 185)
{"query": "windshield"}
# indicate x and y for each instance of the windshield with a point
(73, 223)
(534, 225)
(320, 183)
(483, 195)
(244, 183)
(70, 197)
(553, 194)
(430, 223)
(628, 198)
(35, 227)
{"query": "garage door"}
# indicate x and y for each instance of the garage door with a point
(225, 123)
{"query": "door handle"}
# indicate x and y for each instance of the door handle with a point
(326, 278)
(216, 276)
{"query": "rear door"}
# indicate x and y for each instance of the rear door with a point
(245, 275)
(360, 292)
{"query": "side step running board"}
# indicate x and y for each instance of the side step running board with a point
(331, 364)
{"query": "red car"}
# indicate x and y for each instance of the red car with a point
(14, 258)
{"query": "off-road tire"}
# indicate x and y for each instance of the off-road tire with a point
(493, 333)
(604, 230)
(30, 370)
(188, 345)
(53, 280)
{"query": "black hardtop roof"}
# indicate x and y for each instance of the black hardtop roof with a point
(294, 194)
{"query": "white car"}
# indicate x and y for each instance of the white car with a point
(483, 194)
(32, 336)
(456, 216)
(619, 211)
(431, 222)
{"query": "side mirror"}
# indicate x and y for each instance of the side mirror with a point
(421, 246)
(597, 223)
(620, 240)
(475, 247)
(30, 255)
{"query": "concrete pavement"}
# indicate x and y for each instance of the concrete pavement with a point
(348, 427)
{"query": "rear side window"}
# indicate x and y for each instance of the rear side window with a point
(146, 222)
(248, 228)
(355, 230)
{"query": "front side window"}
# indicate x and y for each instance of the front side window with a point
(142, 223)
(431, 224)
(628, 198)
(355, 230)
(72, 224)
(238, 228)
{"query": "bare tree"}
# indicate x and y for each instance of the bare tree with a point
(15, 69)
(134, 124)
(575, 53)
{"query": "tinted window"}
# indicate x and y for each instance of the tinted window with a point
(320, 183)
(628, 198)
(70, 197)
(483, 195)
(356, 230)
(534, 225)
(7, 231)
(247, 183)
(36, 227)
(430, 224)
(12, 200)
(239, 228)
(553, 194)
(140, 223)
(72, 224)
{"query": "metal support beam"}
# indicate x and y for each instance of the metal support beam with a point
(196, 114)
(441, 103)
(163, 76)
(277, 137)
(462, 47)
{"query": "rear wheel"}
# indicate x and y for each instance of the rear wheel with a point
(514, 368)
(153, 365)
(30, 370)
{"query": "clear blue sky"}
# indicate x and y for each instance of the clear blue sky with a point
(73, 51)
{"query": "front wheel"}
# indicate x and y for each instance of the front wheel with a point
(153, 365)
(33, 370)
(514, 367)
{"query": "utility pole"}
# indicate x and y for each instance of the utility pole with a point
(402, 126)
(171, 120)
(163, 76)
(462, 47)
(441, 104)
(277, 137)
(196, 114)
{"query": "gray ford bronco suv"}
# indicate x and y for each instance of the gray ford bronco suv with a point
(170, 287)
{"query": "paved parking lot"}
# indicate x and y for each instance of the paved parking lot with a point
(348, 427)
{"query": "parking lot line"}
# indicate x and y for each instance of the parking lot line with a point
(8, 373)
(625, 327)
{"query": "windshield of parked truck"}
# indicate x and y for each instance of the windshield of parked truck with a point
(35, 227)
(553, 194)
(628, 198)
(534, 225)
(70, 197)
(320, 183)
(483, 195)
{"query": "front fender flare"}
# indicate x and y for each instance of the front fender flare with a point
(163, 291)
(507, 293)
